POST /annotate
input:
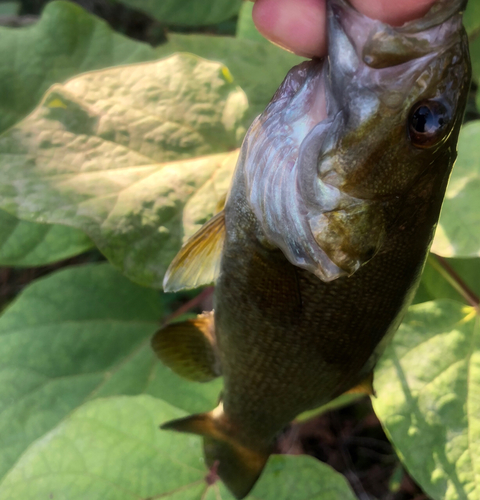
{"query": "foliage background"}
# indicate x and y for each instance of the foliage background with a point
(114, 139)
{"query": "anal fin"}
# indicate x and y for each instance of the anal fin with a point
(364, 387)
(188, 348)
(238, 466)
(198, 261)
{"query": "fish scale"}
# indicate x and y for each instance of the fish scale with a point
(325, 231)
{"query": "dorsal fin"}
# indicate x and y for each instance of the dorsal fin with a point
(198, 261)
(188, 348)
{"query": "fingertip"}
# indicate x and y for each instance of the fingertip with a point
(394, 13)
(297, 26)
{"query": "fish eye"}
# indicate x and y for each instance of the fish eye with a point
(428, 123)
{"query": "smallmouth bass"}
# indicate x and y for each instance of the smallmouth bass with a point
(325, 231)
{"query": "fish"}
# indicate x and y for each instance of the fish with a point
(324, 234)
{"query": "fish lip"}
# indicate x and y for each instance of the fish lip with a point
(439, 12)
(380, 45)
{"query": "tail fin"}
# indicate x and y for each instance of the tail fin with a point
(237, 465)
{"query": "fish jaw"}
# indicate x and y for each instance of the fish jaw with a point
(309, 163)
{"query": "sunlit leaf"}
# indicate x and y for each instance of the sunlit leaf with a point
(79, 334)
(458, 233)
(187, 12)
(109, 153)
(66, 41)
(112, 449)
(428, 385)
(258, 67)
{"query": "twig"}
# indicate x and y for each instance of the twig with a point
(189, 305)
(441, 265)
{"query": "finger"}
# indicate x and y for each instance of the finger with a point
(393, 12)
(297, 25)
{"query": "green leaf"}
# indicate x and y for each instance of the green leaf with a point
(258, 67)
(9, 8)
(112, 449)
(79, 334)
(66, 41)
(457, 233)
(109, 153)
(471, 18)
(475, 57)
(438, 283)
(246, 27)
(187, 12)
(428, 385)
(29, 244)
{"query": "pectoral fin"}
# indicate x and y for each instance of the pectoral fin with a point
(364, 387)
(198, 261)
(237, 465)
(188, 348)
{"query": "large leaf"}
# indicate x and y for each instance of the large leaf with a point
(245, 25)
(258, 67)
(109, 153)
(29, 244)
(471, 18)
(66, 41)
(472, 25)
(187, 12)
(79, 334)
(112, 449)
(428, 385)
(458, 232)
(9, 8)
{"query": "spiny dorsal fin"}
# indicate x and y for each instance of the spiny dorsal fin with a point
(198, 261)
(188, 348)
(238, 466)
(364, 387)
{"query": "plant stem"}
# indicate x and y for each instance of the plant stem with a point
(189, 305)
(446, 270)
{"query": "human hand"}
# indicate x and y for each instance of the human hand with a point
(297, 24)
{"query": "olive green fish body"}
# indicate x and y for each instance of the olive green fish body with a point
(290, 342)
(325, 231)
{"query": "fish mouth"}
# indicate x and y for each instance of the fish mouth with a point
(380, 45)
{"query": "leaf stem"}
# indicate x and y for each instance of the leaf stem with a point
(446, 270)
(190, 304)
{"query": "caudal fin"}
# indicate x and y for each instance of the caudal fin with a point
(237, 465)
